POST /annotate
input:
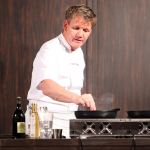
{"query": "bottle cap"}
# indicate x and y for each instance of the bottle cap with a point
(18, 100)
(34, 105)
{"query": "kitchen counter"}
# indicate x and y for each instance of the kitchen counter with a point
(75, 144)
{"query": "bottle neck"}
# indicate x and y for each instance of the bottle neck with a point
(34, 109)
(18, 105)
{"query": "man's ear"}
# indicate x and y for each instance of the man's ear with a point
(65, 25)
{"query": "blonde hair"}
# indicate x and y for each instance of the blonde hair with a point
(83, 11)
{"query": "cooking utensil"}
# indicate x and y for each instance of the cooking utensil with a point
(97, 114)
(138, 114)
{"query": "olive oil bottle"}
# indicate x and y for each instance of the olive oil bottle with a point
(34, 123)
(18, 121)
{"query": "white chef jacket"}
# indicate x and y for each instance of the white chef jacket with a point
(58, 62)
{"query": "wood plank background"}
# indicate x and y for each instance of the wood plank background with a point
(116, 54)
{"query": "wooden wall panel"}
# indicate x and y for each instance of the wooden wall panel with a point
(124, 52)
(24, 27)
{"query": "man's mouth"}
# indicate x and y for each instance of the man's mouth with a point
(78, 40)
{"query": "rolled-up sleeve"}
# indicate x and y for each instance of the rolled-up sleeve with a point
(46, 66)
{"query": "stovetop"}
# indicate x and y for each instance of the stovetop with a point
(118, 128)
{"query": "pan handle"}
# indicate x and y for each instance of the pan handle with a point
(117, 109)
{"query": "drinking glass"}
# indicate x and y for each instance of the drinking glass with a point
(45, 125)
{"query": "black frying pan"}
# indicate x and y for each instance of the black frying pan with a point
(97, 114)
(138, 114)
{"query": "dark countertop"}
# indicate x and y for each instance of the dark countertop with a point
(75, 144)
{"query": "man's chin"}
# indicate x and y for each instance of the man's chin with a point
(76, 47)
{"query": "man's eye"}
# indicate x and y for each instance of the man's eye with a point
(86, 30)
(76, 28)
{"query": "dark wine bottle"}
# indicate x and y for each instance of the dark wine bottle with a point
(18, 121)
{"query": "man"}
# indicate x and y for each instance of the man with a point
(57, 76)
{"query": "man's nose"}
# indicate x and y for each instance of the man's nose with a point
(80, 33)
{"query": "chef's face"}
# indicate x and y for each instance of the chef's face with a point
(77, 32)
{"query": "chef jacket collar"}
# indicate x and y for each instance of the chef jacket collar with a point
(65, 43)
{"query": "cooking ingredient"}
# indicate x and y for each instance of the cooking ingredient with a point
(18, 121)
(34, 123)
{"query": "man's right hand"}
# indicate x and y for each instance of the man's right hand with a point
(86, 100)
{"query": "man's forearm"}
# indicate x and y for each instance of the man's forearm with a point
(56, 92)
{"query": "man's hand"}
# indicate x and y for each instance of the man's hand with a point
(86, 100)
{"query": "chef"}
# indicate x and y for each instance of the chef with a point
(57, 76)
